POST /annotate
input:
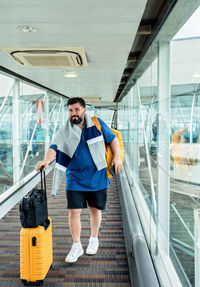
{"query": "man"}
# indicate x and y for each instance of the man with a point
(79, 146)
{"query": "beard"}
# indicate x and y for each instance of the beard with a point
(76, 119)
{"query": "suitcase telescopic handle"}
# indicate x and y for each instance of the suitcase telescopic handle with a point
(43, 179)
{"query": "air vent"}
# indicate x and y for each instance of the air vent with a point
(69, 57)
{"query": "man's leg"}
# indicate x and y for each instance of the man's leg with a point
(75, 228)
(95, 222)
(97, 202)
(75, 224)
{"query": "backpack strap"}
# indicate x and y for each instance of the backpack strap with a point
(97, 124)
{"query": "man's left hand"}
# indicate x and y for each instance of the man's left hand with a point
(117, 164)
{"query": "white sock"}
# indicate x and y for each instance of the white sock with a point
(77, 244)
(93, 238)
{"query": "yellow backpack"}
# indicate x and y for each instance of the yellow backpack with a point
(109, 154)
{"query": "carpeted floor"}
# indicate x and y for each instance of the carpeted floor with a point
(109, 267)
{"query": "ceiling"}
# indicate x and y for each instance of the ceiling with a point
(105, 29)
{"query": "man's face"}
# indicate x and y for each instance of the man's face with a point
(76, 113)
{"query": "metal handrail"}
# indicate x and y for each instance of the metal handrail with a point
(144, 275)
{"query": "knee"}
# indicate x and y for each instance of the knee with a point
(74, 212)
(95, 211)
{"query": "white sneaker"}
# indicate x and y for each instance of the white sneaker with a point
(75, 253)
(92, 246)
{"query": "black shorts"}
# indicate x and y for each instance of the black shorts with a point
(82, 199)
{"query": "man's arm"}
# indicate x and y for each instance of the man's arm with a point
(116, 155)
(49, 157)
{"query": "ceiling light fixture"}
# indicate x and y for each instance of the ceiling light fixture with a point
(92, 99)
(27, 28)
(70, 74)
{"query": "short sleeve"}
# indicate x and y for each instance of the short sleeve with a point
(54, 147)
(107, 133)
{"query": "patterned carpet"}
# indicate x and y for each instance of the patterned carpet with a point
(109, 267)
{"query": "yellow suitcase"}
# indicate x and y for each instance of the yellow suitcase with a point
(36, 254)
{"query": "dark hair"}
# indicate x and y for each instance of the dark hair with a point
(76, 100)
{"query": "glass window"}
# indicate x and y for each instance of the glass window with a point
(105, 114)
(24, 133)
(185, 148)
(138, 123)
(6, 93)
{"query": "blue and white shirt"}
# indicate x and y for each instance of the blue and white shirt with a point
(81, 173)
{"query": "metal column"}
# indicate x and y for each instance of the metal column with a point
(163, 149)
(16, 132)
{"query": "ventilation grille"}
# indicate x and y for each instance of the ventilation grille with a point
(49, 58)
(46, 61)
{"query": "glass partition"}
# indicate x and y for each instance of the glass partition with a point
(105, 114)
(6, 93)
(31, 131)
(138, 123)
(29, 116)
(174, 235)
(90, 110)
(185, 155)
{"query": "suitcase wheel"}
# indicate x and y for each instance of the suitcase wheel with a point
(37, 283)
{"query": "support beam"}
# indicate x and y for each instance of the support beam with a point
(16, 133)
(163, 149)
(133, 57)
(127, 71)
